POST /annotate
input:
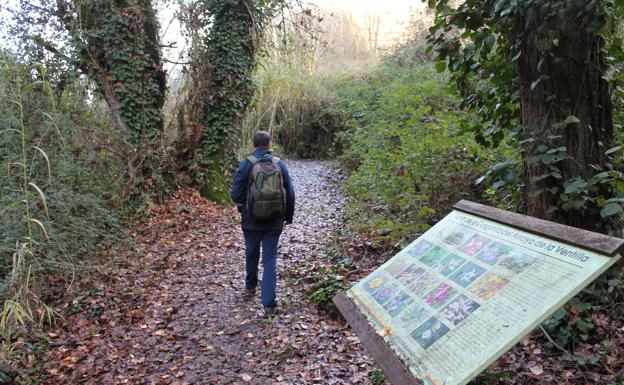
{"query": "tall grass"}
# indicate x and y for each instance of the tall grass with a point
(290, 107)
(302, 58)
(22, 300)
(57, 180)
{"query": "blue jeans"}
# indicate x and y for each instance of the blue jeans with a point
(269, 240)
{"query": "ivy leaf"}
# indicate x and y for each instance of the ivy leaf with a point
(583, 326)
(575, 186)
(612, 150)
(489, 41)
(597, 23)
(611, 209)
(498, 184)
(571, 119)
(507, 11)
(480, 179)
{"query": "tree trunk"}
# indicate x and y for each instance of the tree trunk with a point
(574, 87)
(228, 55)
(119, 50)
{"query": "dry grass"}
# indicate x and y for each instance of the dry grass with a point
(305, 52)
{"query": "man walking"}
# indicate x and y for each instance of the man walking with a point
(265, 198)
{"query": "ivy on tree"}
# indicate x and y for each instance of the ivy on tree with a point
(225, 60)
(117, 46)
(535, 72)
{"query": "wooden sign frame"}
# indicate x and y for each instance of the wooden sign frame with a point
(392, 365)
(596, 242)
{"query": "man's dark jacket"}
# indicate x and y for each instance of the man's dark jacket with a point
(239, 193)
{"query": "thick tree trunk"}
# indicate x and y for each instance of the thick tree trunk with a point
(574, 87)
(119, 49)
(228, 55)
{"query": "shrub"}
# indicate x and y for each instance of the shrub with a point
(58, 182)
(409, 159)
(325, 286)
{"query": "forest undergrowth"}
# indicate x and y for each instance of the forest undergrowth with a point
(60, 215)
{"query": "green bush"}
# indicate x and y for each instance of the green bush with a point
(409, 159)
(59, 183)
(377, 377)
(324, 287)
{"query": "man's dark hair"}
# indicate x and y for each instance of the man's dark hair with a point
(261, 139)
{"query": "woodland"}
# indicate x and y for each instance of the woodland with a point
(121, 258)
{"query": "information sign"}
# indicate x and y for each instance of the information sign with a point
(467, 290)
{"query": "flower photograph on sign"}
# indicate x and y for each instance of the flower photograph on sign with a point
(413, 316)
(408, 275)
(429, 332)
(440, 296)
(420, 248)
(488, 286)
(385, 292)
(374, 283)
(433, 258)
(459, 309)
(467, 274)
(458, 236)
(450, 264)
(398, 303)
(424, 284)
(518, 260)
(493, 253)
(397, 266)
(474, 244)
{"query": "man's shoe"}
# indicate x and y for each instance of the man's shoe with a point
(269, 311)
(249, 294)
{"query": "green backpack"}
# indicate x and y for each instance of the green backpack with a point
(266, 196)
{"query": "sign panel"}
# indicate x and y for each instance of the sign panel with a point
(466, 291)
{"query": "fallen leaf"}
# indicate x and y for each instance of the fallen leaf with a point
(537, 370)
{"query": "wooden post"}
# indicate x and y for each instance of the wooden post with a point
(599, 243)
(394, 368)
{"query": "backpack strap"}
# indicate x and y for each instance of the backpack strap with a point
(254, 160)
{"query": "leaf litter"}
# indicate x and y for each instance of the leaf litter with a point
(176, 314)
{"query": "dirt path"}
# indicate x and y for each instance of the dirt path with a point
(176, 315)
